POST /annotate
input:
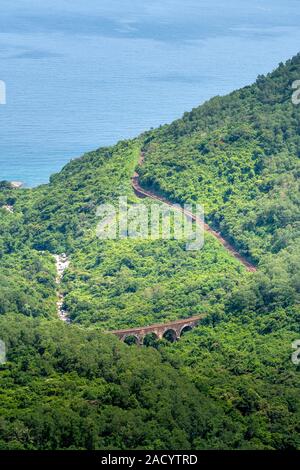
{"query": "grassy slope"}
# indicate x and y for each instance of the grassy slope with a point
(240, 358)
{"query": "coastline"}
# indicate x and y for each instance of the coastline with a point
(16, 184)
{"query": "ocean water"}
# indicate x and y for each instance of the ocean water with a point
(86, 73)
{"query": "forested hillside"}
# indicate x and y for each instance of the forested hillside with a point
(230, 383)
(239, 156)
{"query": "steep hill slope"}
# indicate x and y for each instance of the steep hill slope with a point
(239, 156)
(228, 384)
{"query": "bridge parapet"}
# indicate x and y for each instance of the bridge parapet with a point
(173, 329)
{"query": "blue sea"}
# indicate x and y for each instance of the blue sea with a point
(81, 74)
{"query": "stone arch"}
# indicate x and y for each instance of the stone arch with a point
(185, 328)
(131, 339)
(170, 334)
(150, 338)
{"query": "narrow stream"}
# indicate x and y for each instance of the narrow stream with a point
(62, 263)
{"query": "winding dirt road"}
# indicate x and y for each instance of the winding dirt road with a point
(62, 261)
(140, 192)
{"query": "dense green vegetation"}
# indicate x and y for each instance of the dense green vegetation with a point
(239, 156)
(63, 388)
(129, 283)
(27, 284)
(229, 383)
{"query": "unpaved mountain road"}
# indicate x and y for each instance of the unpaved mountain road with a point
(140, 192)
(62, 262)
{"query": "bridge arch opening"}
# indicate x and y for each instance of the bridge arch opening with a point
(131, 339)
(170, 335)
(150, 340)
(185, 329)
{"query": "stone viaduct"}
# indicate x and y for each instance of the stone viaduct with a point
(172, 330)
